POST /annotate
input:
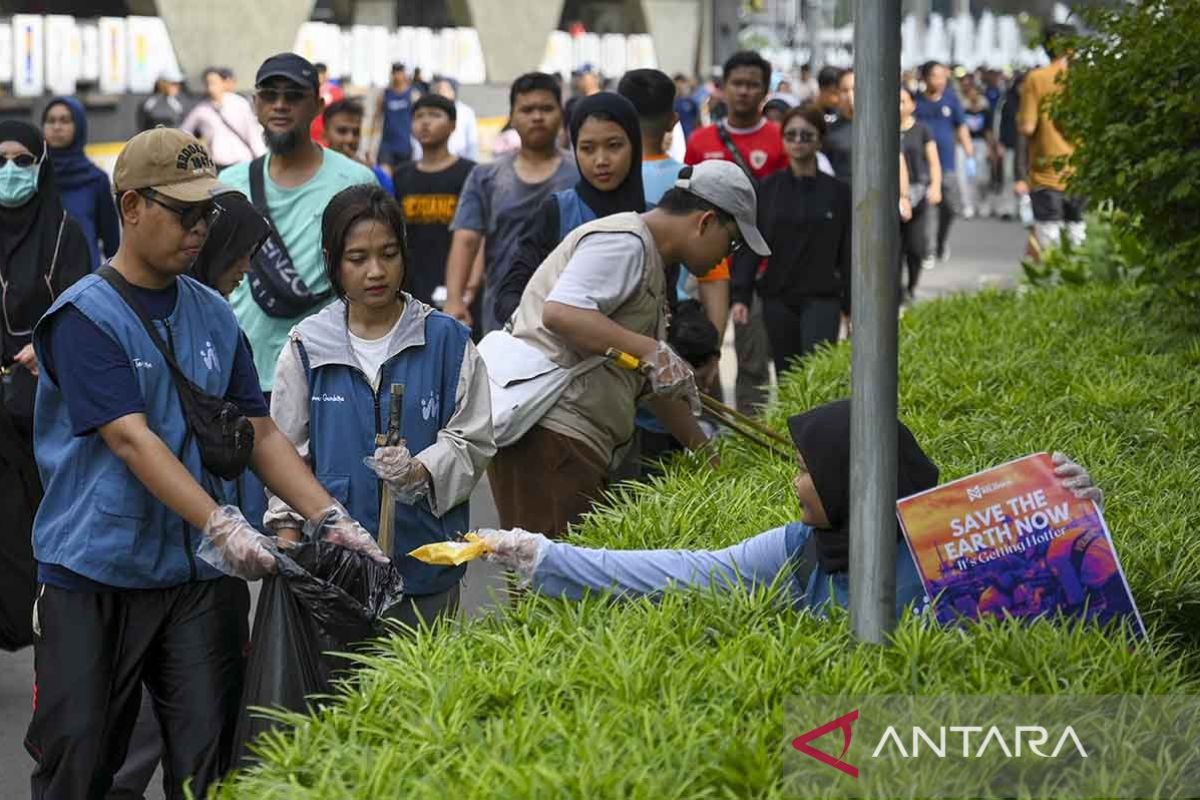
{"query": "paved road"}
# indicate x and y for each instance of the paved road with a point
(983, 253)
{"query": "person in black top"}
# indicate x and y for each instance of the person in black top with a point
(428, 191)
(920, 154)
(828, 93)
(805, 216)
(838, 139)
(42, 252)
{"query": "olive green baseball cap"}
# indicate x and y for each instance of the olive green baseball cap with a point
(169, 161)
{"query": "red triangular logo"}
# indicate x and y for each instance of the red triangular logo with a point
(844, 723)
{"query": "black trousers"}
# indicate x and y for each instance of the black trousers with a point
(96, 650)
(796, 330)
(951, 207)
(20, 493)
(914, 244)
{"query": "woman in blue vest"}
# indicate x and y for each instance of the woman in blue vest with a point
(333, 395)
(86, 191)
(607, 138)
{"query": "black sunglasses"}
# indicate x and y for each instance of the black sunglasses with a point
(23, 160)
(800, 136)
(271, 96)
(190, 215)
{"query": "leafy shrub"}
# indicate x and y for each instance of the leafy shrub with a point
(1132, 105)
(1114, 251)
(684, 697)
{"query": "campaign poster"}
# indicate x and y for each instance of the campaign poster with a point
(6, 52)
(114, 75)
(28, 78)
(1011, 541)
(64, 59)
(150, 53)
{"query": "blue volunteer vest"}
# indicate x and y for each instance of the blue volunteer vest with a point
(572, 212)
(97, 519)
(345, 413)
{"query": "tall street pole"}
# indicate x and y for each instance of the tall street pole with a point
(874, 292)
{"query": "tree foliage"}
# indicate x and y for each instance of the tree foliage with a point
(1132, 106)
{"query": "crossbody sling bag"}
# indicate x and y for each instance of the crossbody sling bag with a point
(274, 282)
(222, 432)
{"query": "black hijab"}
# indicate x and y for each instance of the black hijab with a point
(629, 195)
(822, 435)
(29, 235)
(239, 229)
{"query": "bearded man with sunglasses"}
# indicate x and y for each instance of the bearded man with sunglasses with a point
(299, 178)
(126, 535)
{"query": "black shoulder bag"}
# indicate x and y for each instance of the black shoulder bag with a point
(274, 282)
(223, 434)
(734, 153)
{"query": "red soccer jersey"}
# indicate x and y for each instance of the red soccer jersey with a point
(761, 147)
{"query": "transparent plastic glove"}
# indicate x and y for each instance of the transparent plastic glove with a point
(671, 376)
(1077, 479)
(336, 526)
(404, 475)
(969, 168)
(517, 550)
(233, 546)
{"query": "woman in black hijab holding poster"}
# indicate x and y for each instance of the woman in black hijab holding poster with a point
(822, 485)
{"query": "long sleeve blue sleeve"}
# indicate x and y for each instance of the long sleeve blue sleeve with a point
(569, 571)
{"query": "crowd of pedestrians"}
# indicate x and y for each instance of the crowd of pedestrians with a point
(266, 258)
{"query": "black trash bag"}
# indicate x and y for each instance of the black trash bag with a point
(324, 598)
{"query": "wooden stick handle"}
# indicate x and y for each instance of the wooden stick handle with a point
(716, 406)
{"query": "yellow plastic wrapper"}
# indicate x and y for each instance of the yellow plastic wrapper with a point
(452, 554)
(627, 361)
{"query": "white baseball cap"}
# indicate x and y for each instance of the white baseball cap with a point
(727, 187)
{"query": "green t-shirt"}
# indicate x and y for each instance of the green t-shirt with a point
(296, 214)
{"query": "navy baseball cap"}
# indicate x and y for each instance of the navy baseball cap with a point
(295, 68)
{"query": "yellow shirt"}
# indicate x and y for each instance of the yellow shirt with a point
(1047, 143)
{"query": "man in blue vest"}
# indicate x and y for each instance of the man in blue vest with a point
(126, 597)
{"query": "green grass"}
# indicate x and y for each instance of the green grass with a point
(684, 698)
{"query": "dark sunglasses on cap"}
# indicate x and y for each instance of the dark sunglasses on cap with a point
(23, 160)
(270, 95)
(190, 215)
(807, 137)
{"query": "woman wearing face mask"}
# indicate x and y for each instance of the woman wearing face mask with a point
(333, 395)
(42, 252)
(608, 151)
(233, 239)
(87, 193)
(815, 551)
(805, 216)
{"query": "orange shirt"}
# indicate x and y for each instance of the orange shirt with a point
(1047, 143)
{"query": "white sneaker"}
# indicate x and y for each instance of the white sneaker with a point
(928, 262)
(945, 256)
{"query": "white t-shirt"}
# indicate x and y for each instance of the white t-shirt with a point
(605, 271)
(371, 353)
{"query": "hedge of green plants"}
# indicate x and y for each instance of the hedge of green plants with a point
(684, 697)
